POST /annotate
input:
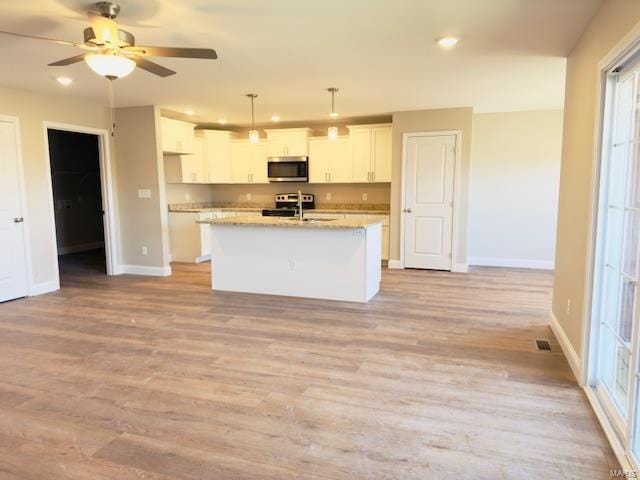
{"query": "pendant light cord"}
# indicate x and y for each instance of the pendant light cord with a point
(253, 120)
(333, 101)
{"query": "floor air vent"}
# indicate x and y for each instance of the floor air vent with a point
(543, 345)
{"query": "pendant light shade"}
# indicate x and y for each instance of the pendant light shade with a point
(254, 135)
(110, 65)
(332, 132)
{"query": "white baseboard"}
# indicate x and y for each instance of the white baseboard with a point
(565, 344)
(460, 268)
(512, 263)
(203, 258)
(84, 247)
(42, 288)
(395, 264)
(144, 270)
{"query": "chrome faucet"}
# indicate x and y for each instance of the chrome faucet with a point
(300, 215)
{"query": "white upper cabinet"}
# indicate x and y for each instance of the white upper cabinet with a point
(177, 137)
(371, 152)
(187, 168)
(381, 152)
(330, 160)
(288, 142)
(248, 162)
(217, 150)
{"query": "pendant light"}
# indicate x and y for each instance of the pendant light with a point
(332, 132)
(254, 136)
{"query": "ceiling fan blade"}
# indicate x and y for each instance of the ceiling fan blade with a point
(104, 29)
(67, 61)
(61, 42)
(206, 53)
(152, 67)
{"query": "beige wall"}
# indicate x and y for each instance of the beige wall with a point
(431, 121)
(143, 221)
(613, 20)
(33, 109)
(513, 190)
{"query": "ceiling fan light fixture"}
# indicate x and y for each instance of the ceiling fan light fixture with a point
(110, 64)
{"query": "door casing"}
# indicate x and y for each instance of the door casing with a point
(108, 196)
(23, 201)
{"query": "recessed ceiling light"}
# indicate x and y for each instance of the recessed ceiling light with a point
(189, 112)
(448, 42)
(222, 121)
(275, 118)
(64, 81)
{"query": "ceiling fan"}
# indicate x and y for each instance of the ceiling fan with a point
(113, 53)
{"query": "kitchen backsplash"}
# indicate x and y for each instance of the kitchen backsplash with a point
(263, 194)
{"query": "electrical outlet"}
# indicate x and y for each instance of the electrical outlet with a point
(144, 250)
(568, 310)
(187, 196)
(144, 193)
(292, 264)
(248, 197)
(364, 197)
(328, 195)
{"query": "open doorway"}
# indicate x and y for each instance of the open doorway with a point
(77, 202)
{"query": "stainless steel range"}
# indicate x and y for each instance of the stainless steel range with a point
(287, 205)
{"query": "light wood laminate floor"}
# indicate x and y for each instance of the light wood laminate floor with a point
(162, 379)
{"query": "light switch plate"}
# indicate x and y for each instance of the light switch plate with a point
(144, 193)
(248, 197)
(328, 195)
(364, 197)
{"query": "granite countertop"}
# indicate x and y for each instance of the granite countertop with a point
(289, 222)
(357, 208)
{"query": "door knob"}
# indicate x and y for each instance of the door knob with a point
(18, 220)
(408, 210)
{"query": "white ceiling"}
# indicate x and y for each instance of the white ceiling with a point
(380, 53)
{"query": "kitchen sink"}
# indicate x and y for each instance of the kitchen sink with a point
(312, 220)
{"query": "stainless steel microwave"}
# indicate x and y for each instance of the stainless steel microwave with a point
(288, 169)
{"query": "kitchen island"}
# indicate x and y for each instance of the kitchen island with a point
(333, 259)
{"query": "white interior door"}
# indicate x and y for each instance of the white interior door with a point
(430, 172)
(13, 271)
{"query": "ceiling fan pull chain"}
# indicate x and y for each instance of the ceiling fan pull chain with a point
(112, 107)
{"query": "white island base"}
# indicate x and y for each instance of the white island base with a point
(282, 257)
